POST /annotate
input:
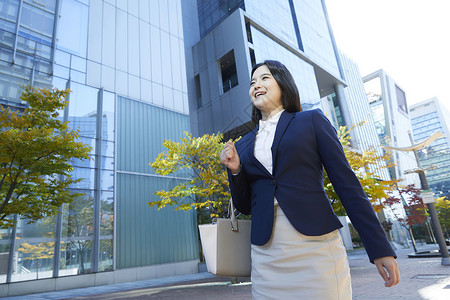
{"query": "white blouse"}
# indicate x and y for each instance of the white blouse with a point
(264, 140)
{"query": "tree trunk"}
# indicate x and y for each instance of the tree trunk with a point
(37, 269)
(80, 251)
(412, 238)
(431, 233)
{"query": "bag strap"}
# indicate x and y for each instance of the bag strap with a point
(233, 219)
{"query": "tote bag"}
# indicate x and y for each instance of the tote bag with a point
(226, 246)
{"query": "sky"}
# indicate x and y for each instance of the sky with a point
(409, 39)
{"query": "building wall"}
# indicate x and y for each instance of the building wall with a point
(191, 35)
(364, 136)
(221, 111)
(256, 34)
(147, 236)
(315, 34)
(278, 20)
(302, 71)
(392, 121)
(124, 62)
(370, 134)
(138, 51)
(212, 12)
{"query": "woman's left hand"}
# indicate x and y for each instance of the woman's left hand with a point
(388, 268)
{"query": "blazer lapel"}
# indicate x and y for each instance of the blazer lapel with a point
(284, 121)
(251, 151)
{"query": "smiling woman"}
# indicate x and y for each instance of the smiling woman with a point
(265, 92)
(275, 174)
(282, 89)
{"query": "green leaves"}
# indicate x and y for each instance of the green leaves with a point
(442, 205)
(367, 165)
(206, 182)
(36, 150)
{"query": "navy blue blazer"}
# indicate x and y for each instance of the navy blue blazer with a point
(304, 143)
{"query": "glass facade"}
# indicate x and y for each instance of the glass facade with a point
(425, 122)
(295, 32)
(26, 40)
(337, 119)
(228, 71)
(315, 34)
(278, 19)
(34, 250)
(358, 108)
(211, 12)
(301, 24)
(401, 99)
(121, 60)
(374, 95)
(392, 122)
(303, 72)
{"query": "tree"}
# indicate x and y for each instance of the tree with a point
(442, 205)
(78, 227)
(206, 188)
(37, 252)
(413, 205)
(36, 151)
(80, 224)
(366, 165)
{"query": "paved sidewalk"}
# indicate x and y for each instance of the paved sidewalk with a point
(421, 278)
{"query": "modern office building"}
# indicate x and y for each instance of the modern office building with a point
(124, 62)
(387, 101)
(355, 110)
(143, 71)
(428, 117)
(236, 34)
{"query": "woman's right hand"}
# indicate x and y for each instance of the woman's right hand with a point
(230, 158)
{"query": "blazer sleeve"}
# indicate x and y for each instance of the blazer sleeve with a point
(349, 189)
(240, 191)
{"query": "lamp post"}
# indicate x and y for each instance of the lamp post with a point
(423, 181)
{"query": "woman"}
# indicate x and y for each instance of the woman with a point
(275, 173)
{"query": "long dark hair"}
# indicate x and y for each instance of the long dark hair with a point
(291, 97)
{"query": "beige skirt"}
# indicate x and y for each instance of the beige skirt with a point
(295, 266)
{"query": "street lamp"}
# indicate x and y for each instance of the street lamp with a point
(423, 181)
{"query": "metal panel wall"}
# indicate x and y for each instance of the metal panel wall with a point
(141, 131)
(146, 236)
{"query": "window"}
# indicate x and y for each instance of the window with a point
(198, 91)
(252, 57)
(37, 24)
(249, 32)
(228, 71)
(401, 99)
(73, 38)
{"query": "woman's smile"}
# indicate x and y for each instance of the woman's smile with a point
(265, 93)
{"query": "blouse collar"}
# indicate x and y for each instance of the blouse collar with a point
(272, 121)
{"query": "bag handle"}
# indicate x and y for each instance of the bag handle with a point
(233, 220)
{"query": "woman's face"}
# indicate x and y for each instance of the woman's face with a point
(265, 92)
